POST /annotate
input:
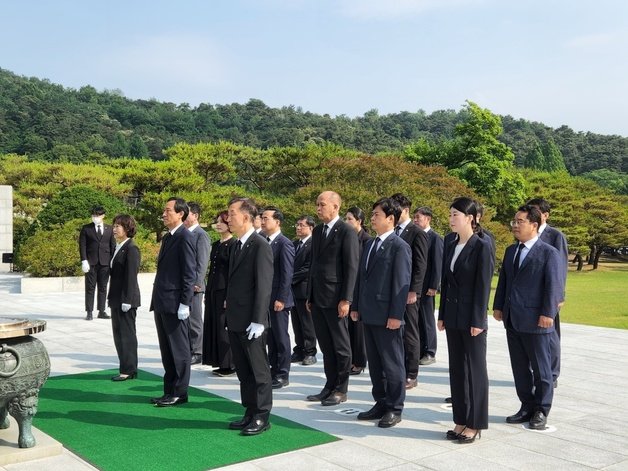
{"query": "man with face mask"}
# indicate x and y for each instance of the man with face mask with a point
(96, 246)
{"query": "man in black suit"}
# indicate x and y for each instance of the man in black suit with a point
(334, 269)
(96, 247)
(556, 239)
(281, 296)
(417, 240)
(248, 297)
(173, 291)
(380, 303)
(530, 288)
(304, 351)
(202, 249)
(431, 283)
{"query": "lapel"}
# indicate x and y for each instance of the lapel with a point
(235, 261)
(531, 253)
(378, 254)
(466, 250)
(332, 233)
(168, 240)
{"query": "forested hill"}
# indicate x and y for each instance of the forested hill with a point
(47, 121)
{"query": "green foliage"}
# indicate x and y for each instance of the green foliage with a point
(614, 181)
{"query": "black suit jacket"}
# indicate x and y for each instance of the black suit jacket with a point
(176, 272)
(97, 250)
(123, 286)
(301, 269)
(250, 284)
(334, 268)
(465, 292)
(417, 240)
(556, 239)
(434, 262)
(283, 266)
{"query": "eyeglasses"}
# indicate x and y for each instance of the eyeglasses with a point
(518, 222)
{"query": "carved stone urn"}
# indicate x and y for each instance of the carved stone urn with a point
(24, 368)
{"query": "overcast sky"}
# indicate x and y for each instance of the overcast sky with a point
(557, 62)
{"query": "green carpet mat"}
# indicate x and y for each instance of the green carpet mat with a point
(114, 427)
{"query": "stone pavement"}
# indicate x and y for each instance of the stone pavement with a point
(588, 423)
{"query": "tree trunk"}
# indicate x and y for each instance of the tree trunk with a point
(591, 255)
(596, 259)
(578, 259)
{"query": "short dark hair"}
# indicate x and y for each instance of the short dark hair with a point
(309, 220)
(180, 206)
(358, 214)
(534, 213)
(195, 208)
(402, 200)
(389, 207)
(424, 210)
(540, 203)
(223, 216)
(479, 208)
(98, 210)
(247, 206)
(277, 214)
(128, 224)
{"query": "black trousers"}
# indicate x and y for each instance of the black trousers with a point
(279, 344)
(384, 348)
(358, 344)
(411, 340)
(303, 327)
(98, 275)
(333, 338)
(125, 338)
(468, 378)
(427, 325)
(251, 362)
(196, 324)
(174, 344)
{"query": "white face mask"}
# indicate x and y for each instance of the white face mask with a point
(97, 219)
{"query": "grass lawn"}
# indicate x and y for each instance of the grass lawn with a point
(594, 297)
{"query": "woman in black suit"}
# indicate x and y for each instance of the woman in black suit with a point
(124, 295)
(465, 288)
(216, 348)
(355, 218)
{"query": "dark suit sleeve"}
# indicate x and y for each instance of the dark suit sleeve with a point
(112, 244)
(437, 263)
(554, 289)
(483, 279)
(83, 244)
(188, 272)
(419, 261)
(302, 273)
(132, 267)
(500, 292)
(286, 266)
(400, 283)
(351, 260)
(264, 283)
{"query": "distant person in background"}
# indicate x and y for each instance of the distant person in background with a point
(465, 288)
(257, 222)
(355, 218)
(552, 236)
(124, 295)
(202, 248)
(96, 246)
(216, 347)
(304, 351)
(431, 283)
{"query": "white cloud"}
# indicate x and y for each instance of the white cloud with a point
(396, 9)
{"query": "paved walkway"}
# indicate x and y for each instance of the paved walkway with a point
(588, 423)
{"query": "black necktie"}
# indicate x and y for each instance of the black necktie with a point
(518, 258)
(372, 253)
(299, 245)
(268, 239)
(325, 231)
(98, 230)
(397, 230)
(238, 248)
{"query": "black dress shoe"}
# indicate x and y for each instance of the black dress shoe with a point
(356, 370)
(324, 394)
(309, 360)
(279, 383)
(89, 316)
(335, 398)
(452, 435)
(240, 424)
(519, 418)
(376, 412)
(390, 419)
(448, 400)
(538, 421)
(411, 383)
(172, 401)
(124, 377)
(255, 427)
(296, 358)
(223, 372)
(196, 359)
(103, 315)
(427, 360)
(464, 439)
(155, 400)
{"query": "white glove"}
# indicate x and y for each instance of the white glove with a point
(125, 307)
(183, 312)
(254, 330)
(85, 266)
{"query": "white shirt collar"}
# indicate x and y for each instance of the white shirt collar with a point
(331, 223)
(272, 237)
(191, 228)
(531, 242)
(385, 235)
(305, 239)
(403, 225)
(542, 227)
(172, 231)
(246, 236)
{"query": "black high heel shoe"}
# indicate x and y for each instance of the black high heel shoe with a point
(464, 439)
(453, 435)
(356, 370)
(124, 377)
